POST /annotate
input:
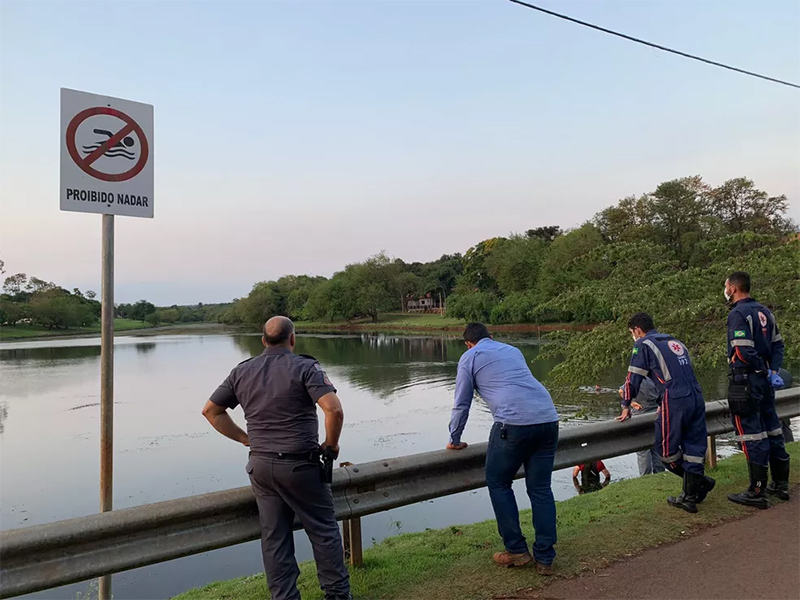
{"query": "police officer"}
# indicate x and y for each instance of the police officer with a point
(681, 421)
(755, 355)
(279, 392)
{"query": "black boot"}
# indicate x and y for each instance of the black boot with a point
(779, 486)
(754, 495)
(705, 487)
(688, 498)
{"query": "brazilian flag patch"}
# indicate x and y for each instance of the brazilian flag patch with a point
(636, 351)
(738, 334)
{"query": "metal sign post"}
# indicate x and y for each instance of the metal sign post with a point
(107, 168)
(107, 384)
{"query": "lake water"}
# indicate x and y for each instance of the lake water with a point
(396, 391)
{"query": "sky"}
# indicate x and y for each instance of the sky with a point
(298, 137)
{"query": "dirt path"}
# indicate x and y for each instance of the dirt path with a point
(753, 558)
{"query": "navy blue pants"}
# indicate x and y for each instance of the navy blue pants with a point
(760, 432)
(533, 446)
(681, 436)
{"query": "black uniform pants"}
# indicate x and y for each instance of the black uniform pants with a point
(286, 489)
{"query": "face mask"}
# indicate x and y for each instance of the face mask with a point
(727, 295)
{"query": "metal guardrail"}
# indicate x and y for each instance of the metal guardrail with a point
(55, 554)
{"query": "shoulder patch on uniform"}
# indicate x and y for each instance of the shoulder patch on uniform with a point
(635, 350)
(676, 347)
(739, 333)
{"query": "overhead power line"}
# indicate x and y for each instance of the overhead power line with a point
(652, 45)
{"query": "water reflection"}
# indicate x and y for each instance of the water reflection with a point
(388, 366)
(48, 354)
(145, 348)
(3, 416)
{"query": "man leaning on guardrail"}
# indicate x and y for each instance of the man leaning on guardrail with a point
(525, 432)
(279, 392)
(680, 426)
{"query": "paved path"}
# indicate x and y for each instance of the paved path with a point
(757, 557)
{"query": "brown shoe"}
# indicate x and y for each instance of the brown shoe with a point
(507, 559)
(545, 570)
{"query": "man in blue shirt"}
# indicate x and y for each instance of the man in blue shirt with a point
(525, 432)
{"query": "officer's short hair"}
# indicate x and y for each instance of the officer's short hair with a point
(641, 320)
(741, 280)
(280, 336)
(475, 332)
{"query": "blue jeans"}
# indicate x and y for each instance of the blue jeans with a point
(533, 446)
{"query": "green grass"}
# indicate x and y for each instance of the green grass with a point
(22, 331)
(594, 530)
(388, 323)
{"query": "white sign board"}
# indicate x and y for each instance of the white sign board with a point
(106, 155)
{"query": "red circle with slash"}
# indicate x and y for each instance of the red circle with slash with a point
(85, 162)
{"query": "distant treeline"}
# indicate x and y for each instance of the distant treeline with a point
(42, 303)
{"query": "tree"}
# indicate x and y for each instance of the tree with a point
(475, 275)
(168, 315)
(679, 207)
(152, 318)
(12, 312)
(55, 310)
(140, 310)
(36, 285)
(631, 220)
(741, 207)
(14, 284)
(263, 302)
(471, 306)
(333, 299)
(373, 283)
(91, 295)
(409, 285)
(557, 273)
(546, 234)
(514, 263)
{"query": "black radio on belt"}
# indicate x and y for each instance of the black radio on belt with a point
(503, 432)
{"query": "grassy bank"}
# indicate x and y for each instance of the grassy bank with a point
(22, 331)
(398, 324)
(403, 323)
(121, 326)
(455, 563)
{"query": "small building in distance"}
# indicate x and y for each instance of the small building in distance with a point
(426, 303)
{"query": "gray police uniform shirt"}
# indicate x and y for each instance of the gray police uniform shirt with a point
(278, 392)
(647, 396)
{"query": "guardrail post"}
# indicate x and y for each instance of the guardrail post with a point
(353, 551)
(351, 537)
(711, 452)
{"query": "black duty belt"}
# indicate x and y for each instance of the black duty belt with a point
(748, 371)
(310, 455)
